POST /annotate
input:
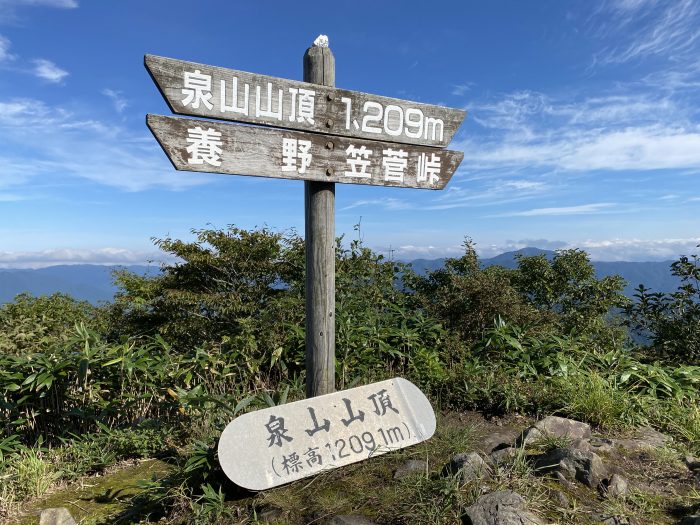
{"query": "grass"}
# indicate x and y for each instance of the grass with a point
(363, 488)
(29, 474)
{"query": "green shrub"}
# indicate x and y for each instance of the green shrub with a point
(672, 320)
(37, 324)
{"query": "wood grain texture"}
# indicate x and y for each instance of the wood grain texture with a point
(319, 223)
(257, 151)
(330, 111)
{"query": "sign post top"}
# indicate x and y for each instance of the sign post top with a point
(214, 92)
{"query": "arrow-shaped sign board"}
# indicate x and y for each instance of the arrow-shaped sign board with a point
(214, 92)
(277, 445)
(196, 145)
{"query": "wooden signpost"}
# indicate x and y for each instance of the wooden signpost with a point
(215, 92)
(328, 135)
(300, 439)
(196, 145)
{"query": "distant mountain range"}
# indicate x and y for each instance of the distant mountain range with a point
(653, 274)
(89, 282)
(93, 282)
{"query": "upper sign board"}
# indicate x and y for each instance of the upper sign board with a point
(277, 445)
(219, 93)
(197, 145)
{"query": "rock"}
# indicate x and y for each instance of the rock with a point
(56, 516)
(498, 439)
(644, 438)
(350, 520)
(586, 467)
(503, 455)
(692, 462)
(690, 520)
(467, 467)
(529, 436)
(500, 508)
(561, 478)
(411, 466)
(581, 444)
(561, 499)
(615, 487)
(599, 444)
(555, 426)
(269, 513)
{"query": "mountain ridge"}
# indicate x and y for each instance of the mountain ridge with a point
(93, 282)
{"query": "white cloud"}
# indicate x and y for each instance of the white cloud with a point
(648, 148)
(639, 249)
(48, 71)
(524, 185)
(461, 89)
(5, 55)
(8, 8)
(582, 209)
(388, 203)
(615, 249)
(667, 29)
(61, 4)
(409, 252)
(623, 131)
(105, 256)
(42, 139)
(120, 103)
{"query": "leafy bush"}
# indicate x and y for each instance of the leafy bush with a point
(467, 298)
(37, 324)
(672, 320)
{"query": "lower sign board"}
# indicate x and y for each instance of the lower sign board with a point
(277, 445)
(198, 145)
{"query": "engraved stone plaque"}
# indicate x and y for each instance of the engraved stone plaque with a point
(277, 445)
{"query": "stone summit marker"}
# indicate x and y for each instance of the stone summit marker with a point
(274, 446)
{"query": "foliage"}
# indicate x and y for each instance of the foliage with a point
(567, 286)
(672, 320)
(377, 332)
(467, 298)
(234, 291)
(37, 324)
(165, 367)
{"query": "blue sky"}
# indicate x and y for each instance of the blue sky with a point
(583, 125)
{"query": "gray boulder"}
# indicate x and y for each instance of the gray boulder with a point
(56, 516)
(269, 513)
(690, 520)
(692, 462)
(500, 508)
(498, 439)
(503, 455)
(615, 487)
(645, 438)
(573, 464)
(561, 499)
(555, 426)
(467, 467)
(412, 466)
(599, 444)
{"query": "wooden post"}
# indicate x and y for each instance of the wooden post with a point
(319, 207)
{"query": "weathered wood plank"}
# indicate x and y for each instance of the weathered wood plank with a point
(213, 92)
(258, 152)
(278, 445)
(319, 225)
